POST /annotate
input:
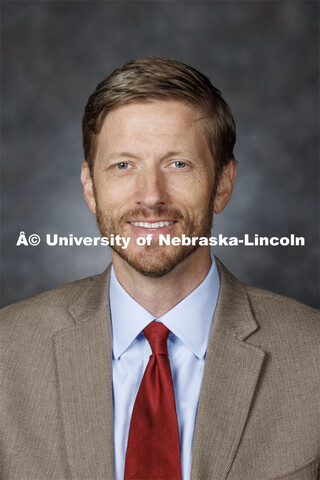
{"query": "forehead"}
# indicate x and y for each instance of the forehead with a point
(152, 121)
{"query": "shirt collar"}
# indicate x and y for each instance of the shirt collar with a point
(190, 320)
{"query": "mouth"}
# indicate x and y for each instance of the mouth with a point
(152, 225)
(162, 226)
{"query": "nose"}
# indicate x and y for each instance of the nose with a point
(151, 189)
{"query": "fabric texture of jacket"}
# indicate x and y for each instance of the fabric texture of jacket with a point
(259, 409)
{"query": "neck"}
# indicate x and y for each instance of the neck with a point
(159, 295)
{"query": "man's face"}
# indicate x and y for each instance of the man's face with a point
(153, 174)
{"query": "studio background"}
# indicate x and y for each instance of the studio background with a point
(262, 55)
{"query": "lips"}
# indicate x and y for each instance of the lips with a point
(152, 225)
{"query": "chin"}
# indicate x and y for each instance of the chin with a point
(155, 264)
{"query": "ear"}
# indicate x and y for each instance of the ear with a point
(87, 183)
(225, 187)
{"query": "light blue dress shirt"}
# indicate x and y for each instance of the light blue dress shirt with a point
(190, 323)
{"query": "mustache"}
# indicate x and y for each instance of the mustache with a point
(160, 212)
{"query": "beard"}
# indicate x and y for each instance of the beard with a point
(153, 260)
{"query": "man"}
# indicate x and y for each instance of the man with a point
(231, 389)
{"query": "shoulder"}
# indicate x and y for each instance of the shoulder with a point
(273, 304)
(48, 310)
(277, 323)
(264, 304)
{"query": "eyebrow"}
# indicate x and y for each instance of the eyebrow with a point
(117, 155)
(114, 156)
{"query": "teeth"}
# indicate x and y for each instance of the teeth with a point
(152, 225)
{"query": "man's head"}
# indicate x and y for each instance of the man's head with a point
(152, 79)
(158, 142)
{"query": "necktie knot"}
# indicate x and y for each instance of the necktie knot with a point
(157, 335)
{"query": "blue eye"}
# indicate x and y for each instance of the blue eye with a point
(179, 164)
(122, 165)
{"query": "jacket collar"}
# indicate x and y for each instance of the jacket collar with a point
(190, 320)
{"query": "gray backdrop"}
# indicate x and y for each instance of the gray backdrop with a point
(261, 54)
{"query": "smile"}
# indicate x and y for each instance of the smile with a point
(151, 225)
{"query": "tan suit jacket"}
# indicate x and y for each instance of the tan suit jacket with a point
(258, 416)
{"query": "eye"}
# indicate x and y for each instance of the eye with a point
(179, 164)
(123, 166)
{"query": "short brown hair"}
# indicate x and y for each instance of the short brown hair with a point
(157, 78)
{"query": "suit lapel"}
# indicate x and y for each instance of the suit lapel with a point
(230, 377)
(84, 364)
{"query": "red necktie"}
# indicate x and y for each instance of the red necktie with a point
(153, 451)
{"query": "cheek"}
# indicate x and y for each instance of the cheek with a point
(113, 189)
(194, 196)
(107, 196)
(113, 208)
